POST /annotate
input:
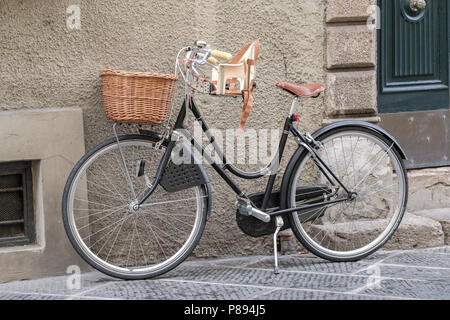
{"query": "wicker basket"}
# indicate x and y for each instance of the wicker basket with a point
(137, 97)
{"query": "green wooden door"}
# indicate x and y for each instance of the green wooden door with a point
(413, 57)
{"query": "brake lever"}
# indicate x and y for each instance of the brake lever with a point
(196, 73)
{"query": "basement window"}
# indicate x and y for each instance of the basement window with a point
(16, 204)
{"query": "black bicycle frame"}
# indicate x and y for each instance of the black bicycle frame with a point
(273, 167)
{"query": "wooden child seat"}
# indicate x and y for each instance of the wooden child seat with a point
(240, 71)
(238, 77)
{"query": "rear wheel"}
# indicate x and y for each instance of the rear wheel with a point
(369, 165)
(106, 229)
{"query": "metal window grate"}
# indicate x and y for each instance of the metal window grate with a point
(16, 204)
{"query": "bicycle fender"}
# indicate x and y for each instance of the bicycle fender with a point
(363, 124)
(341, 124)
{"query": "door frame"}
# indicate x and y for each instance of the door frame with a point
(425, 135)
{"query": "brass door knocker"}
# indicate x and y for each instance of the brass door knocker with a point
(417, 5)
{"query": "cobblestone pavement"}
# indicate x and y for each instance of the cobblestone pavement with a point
(417, 274)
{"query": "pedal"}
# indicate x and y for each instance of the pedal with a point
(245, 208)
(243, 205)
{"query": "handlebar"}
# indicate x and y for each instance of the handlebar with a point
(212, 60)
(201, 54)
(221, 55)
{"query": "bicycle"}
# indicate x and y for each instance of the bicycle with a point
(132, 212)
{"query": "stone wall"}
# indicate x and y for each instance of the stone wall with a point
(46, 65)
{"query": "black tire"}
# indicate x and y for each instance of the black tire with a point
(204, 190)
(294, 222)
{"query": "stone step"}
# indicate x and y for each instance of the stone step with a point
(429, 189)
(442, 216)
(414, 232)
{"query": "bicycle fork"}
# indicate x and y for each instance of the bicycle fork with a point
(137, 202)
(124, 165)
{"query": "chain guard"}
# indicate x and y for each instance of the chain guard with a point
(257, 228)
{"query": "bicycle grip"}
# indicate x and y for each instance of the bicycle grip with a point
(212, 60)
(221, 55)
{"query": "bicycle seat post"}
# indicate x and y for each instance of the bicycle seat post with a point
(294, 105)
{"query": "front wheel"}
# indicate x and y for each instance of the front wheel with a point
(368, 165)
(105, 228)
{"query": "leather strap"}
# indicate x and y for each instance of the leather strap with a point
(248, 105)
(233, 84)
(247, 92)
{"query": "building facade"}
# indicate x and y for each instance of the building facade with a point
(52, 51)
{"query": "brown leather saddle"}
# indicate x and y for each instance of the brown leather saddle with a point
(303, 90)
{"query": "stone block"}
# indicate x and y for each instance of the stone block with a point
(442, 216)
(351, 46)
(413, 232)
(351, 93)
(349, 10)
(416, 232)
(429, 189)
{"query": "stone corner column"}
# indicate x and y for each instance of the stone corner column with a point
(351, 60)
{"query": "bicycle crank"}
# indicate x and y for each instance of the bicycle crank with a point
(245, 208)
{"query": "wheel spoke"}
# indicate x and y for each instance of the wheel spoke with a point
(373, 168)
(167, 202)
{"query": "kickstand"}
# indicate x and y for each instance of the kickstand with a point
(279, 224)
